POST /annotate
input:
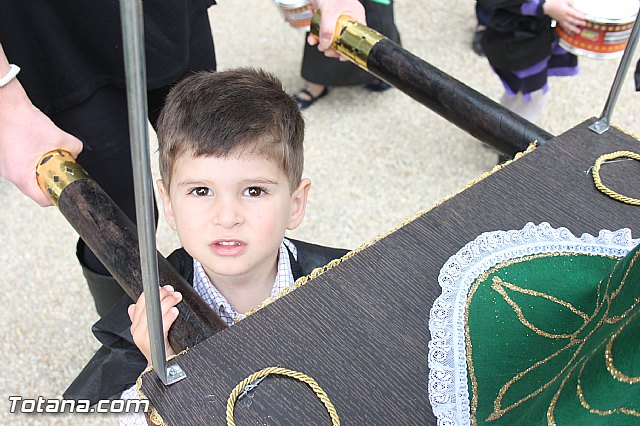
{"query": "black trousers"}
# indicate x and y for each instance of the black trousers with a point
(101, 123)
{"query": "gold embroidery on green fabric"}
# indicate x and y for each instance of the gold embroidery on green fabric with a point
(551, 421)
(469, 347)
(616, 374)
(614, 319)
(606, 300)
(624, 278)
(499, 285)
(552, 406)
(498, 411)
(608, 357)
(603, 306)
(579, 389)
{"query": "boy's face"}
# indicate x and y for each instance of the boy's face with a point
(232, 213)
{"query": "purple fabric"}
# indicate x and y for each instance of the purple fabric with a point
(530, 7)
(559, 64)
(534, 69)
(556, 49)
(525, 96)
(563, 71)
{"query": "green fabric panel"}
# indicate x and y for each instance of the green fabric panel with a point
(385, 2)
(526, 355)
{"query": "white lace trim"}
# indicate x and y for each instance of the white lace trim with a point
(448, 391)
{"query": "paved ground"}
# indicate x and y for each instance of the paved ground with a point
(374, 159)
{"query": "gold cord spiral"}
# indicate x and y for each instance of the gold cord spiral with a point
(602, 187)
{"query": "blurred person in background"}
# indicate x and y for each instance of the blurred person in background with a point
(482, 19)
(522, 48)
(321, 72)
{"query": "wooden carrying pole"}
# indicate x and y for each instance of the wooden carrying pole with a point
(112, 236)
(463, 106)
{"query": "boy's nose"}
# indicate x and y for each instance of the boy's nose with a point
(228, 213)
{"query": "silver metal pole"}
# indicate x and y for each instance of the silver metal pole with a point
(135, 69)
(602, 125)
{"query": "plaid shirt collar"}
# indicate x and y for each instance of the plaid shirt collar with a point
(207, 290)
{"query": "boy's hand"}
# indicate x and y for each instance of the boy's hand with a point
(169, 298)
(569, 18)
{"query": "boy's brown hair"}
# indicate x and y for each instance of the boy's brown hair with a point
(235, 112)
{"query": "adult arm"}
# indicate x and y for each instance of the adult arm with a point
(331, 11)
(26, 134)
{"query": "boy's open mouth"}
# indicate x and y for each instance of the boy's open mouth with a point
(228, 247)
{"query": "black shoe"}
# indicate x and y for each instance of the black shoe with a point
(476, 42)
(306, 103)
(377, 86)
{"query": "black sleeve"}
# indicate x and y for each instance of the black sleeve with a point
(118, 363)
(513, 5)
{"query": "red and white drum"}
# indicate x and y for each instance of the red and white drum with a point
(297, 13)
(609, 24)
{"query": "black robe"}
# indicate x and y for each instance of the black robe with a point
(69, 49)
(117, 364)
(513, 41)
(320, 69)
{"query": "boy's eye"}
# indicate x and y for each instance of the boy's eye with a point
(254, 191)
(201, 191)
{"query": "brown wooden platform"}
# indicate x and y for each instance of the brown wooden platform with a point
(361, 329)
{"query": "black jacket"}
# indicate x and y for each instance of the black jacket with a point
(69, 49)
(513, 41)
(118, 363)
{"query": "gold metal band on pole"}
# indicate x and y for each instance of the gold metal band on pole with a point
(354, 40)
(55, 171)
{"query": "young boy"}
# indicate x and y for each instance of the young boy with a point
(231, 160)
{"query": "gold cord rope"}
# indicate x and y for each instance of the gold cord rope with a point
(602, 187)
(320, 393)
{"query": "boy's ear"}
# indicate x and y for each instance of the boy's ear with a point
(299, 203)
(166, 204)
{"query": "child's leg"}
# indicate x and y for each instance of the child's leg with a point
(529, 108)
